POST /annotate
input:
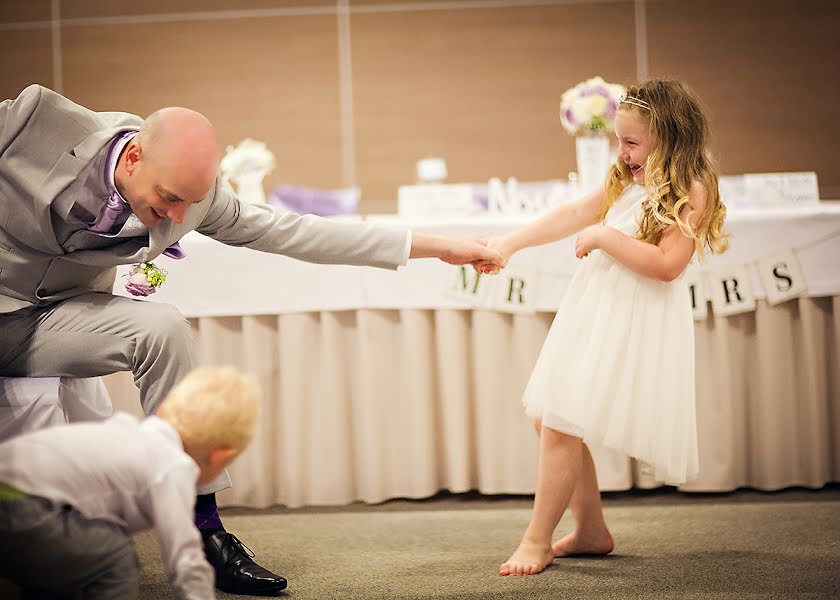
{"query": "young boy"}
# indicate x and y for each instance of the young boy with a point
(72, 496)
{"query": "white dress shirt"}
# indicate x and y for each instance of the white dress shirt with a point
(132, 473)
(407, 250)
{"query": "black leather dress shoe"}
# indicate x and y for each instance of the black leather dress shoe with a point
(236, 573)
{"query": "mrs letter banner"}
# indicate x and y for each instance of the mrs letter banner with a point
(467, 285)
(516, 290)
(781, 277)
(731, 292)
(697, 295)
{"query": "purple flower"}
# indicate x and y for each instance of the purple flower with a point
(138, 285)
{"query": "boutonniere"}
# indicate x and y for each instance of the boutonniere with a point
(144, 279)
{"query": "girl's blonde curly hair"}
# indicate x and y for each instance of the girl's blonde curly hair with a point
(680, 156)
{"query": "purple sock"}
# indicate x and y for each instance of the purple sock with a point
(207, 513)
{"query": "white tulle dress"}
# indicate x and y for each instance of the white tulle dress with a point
(617, 366)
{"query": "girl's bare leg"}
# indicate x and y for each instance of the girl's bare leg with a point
(560, 464)
(590, 535)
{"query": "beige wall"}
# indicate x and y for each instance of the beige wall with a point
(355, 92)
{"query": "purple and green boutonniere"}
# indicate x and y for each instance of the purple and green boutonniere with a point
(144, 279)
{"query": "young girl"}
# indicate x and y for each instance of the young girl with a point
(617, 367)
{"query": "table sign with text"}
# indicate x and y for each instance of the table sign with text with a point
(781, 189)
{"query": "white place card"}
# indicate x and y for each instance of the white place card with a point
(781, 189)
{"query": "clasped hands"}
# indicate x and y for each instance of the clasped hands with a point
(488, 267)
(588, 239)
(455, 251)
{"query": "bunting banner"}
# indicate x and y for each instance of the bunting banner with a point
(730, 288)
(513, 290)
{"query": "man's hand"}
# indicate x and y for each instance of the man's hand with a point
(454, 251)
(462, 252)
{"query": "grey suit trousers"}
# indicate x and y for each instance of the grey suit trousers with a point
(97, 334)
(54, 552)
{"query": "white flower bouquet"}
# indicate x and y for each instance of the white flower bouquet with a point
(589, 107)
(250, 157)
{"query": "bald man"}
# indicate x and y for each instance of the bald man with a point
(82, 192)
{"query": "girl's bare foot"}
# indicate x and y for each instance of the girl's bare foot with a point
(577, 543)
(529, 559)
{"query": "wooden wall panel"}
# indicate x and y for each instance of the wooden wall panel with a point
(25, 57)
(768, 71)
(17, 11)
(396, 5)
(112, 8)
(481, 88)
(272, 79)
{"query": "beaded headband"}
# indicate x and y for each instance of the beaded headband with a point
(627, 99)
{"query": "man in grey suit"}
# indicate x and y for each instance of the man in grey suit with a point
(82, 192)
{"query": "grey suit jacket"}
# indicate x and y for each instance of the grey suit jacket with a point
(46, 145)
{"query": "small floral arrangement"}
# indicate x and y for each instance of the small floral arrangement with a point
(144, 279)
(589, 107)
(249, 157)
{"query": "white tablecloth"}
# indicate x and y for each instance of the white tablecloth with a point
(218, 280)
(379, 386)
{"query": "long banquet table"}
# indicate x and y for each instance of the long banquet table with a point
(379, 384)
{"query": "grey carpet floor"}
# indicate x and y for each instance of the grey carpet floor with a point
(668, 545)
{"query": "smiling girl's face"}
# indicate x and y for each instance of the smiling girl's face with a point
(635, 141)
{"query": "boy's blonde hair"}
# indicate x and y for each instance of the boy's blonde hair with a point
(214, 406)
(680, 157)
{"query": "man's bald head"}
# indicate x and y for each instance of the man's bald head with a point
(181, 145)
(169, 166)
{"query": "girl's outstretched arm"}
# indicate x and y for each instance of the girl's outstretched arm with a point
(664, 262)
(555, 225)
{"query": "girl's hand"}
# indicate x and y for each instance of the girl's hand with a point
(589, 239)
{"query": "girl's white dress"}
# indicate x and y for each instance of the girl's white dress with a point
(617, 366)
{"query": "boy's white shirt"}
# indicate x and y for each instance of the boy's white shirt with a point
(129, 472)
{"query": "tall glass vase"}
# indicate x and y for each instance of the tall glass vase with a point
(593, 161)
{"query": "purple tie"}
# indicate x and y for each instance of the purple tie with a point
(113, 208)
(111, 211)
(175, 251)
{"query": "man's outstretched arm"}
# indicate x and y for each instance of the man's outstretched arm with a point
(454, 251)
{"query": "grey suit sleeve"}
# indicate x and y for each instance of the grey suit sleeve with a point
(15, 114)
(304, 237)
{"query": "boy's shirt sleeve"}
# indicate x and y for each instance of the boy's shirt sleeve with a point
(172, 502)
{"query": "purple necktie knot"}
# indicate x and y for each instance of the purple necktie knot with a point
(113, 208)
(175, 251)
